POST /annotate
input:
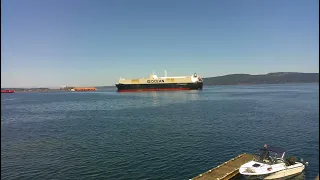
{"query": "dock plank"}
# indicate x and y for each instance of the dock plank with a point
(226, 170)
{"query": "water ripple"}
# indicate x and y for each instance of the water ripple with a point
(166, 135)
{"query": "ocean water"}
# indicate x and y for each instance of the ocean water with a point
(153, 135)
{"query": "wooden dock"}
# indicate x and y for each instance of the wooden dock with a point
(226, 170)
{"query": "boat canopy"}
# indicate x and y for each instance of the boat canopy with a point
(267, 151)
(275, 149)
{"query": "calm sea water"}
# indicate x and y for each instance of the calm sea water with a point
(154, 135)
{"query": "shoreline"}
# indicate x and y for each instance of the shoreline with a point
(45, 90)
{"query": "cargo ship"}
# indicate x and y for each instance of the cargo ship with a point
(155, 83)
(7, 91)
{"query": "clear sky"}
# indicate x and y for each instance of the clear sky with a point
(94, 42)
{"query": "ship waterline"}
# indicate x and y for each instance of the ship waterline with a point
(155, 83)
(158, 87)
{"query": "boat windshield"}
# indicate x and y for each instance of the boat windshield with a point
(275, 155)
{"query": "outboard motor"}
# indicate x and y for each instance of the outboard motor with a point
(304, 162)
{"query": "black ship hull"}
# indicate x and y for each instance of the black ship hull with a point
(159, 87)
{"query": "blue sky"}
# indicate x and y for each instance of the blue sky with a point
(94, 42)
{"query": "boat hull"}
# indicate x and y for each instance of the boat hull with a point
(159, 87)
(269, 177)
(290, 172)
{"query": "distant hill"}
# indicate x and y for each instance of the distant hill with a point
(271, 78)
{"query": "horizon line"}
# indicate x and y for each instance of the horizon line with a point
(58, 87)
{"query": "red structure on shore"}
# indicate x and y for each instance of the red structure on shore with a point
(7, 91)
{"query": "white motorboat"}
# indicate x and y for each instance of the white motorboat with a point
(271, 164)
